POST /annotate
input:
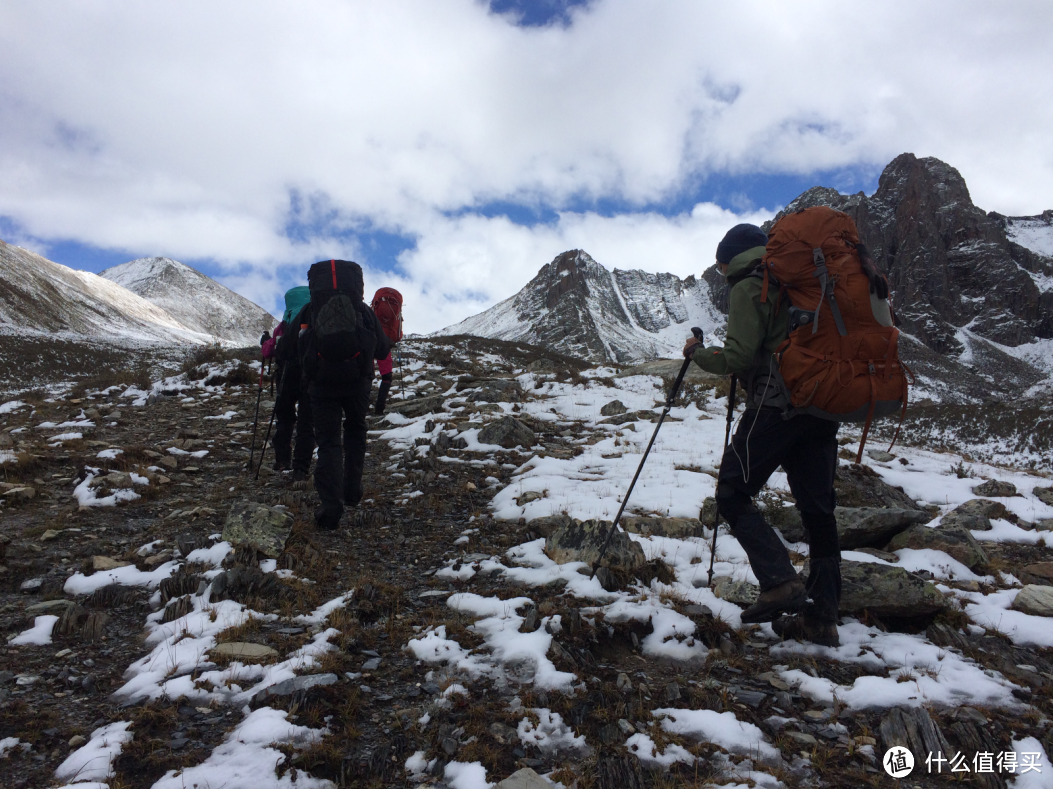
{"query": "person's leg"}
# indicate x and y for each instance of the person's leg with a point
(382, 393)
(301, 461)
(356, 406)
(810, 466)
(329, 472)
(754, 453)
(284, 419)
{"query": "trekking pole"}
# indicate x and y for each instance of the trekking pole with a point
(402, 393)
(256, 418)
(274, 410)
(665, 411)
(716, 515)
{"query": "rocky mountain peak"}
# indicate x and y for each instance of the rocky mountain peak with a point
(196, 300)
(957, 278)
(908, 178)
(577, 307)
(568, 272)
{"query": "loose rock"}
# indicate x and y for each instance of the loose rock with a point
(738, 592)
(996, 488)
(974, 515)
(524, 779)
(886, 591)
(954, 541)
(507, 432)
(244, 650)
(873, 527)
(678, 528)
(581, 541)
(1034, 599)
(258, 526)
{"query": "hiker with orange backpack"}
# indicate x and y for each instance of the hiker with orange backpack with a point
(810, 335)
(387, 306)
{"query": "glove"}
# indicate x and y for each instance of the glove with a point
(691, 346)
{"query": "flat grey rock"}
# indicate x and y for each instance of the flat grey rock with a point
(291, 686)
(952, 540)
(49, 607)
(1034, 599)
(524, 779)
(244, 650)
(873, 527)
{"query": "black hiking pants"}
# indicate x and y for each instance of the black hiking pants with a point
(806, 448)
(341, 453)
(292, 409)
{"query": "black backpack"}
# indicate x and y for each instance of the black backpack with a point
(338, 346)
(286, 349)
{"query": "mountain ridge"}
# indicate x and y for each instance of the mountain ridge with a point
(41, 297)
(974, 290)
(215, 309)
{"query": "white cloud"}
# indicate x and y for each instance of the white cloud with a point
(183, 129)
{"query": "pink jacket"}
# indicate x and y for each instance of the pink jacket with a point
(268, 346)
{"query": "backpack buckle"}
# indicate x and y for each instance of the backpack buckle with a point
(870, 368)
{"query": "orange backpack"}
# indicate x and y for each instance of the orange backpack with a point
(841, 360)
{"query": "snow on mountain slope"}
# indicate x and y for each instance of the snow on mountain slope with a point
(43, 297)
(195, 300)
(577, 307)
(1032, 232)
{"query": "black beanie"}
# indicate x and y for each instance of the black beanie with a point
(738, 240)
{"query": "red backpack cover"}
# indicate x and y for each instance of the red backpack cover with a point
(387, 305)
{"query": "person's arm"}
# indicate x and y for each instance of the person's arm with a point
(383, 347)
(747, 321)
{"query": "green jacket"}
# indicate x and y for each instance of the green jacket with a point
(753, 334)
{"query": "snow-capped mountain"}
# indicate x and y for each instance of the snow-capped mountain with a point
(40, 296)
(974, 291)
(196, 301)
(972, 288)
(576, 306)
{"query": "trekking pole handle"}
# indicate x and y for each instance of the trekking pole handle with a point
(683, 371)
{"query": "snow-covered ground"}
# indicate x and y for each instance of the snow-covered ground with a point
(900, 668)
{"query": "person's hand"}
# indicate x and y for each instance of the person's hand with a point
(691, 345)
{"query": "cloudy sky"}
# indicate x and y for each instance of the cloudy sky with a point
(453, 147)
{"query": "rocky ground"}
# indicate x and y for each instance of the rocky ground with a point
(171, 621)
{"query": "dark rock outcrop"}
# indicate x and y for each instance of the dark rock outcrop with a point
(951, 266)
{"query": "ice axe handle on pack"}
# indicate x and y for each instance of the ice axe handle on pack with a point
(665, 410)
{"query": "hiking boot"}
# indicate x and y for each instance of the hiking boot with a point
(806, 628)
(326, 521)
(280, 465)
(786, 598)
(352, 495)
